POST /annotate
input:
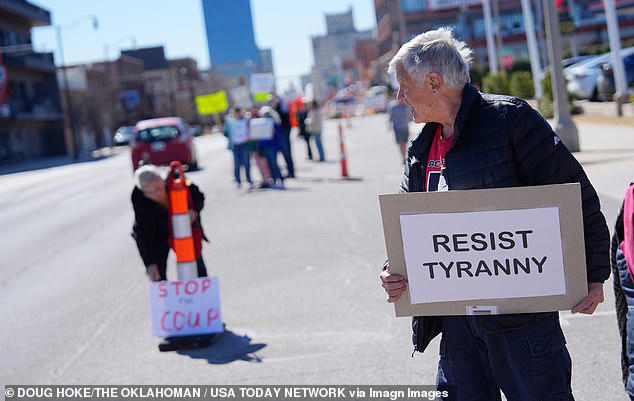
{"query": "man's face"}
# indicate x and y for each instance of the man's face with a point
(419, 99)
(155, 190)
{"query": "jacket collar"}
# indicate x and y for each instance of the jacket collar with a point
(421, 144)
(470, 95)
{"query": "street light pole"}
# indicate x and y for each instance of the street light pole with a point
(69, 104)
(618, 71)
(488, 28)
(532, 48)
(564, 127)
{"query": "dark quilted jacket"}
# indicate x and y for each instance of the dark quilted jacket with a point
(501, 141)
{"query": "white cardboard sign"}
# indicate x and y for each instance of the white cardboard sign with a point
(262, 82)
(185, 307)
(260, 128)
(542, 223)
(483, 255)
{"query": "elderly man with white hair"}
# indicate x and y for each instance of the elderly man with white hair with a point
(473, 140)
(150, 200)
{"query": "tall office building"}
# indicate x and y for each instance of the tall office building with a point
(230, 38)
(334, 54)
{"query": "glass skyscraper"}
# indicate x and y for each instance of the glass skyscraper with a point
(230, 38)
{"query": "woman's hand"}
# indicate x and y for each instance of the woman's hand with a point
(153, 273)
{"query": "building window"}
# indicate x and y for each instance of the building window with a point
(511, 24)
(413, 5)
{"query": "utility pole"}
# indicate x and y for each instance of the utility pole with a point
(533, 53)
(564, 127)
(69, 102)
(617, 61)
(488, 27)
(498, 32)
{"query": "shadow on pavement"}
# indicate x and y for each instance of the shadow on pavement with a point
(49, 162)
(228, 348)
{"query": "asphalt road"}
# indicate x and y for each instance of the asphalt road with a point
(298, 270)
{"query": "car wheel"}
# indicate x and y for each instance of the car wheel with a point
(595, 95)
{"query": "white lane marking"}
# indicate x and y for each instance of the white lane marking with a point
(100, 329)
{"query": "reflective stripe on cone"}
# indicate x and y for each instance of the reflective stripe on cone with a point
(181, 226)
(187, 270)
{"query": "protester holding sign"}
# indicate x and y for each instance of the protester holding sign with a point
(239, 137)
(151, 230)
(314, 127)
(473, 140)
(622, 260)
(285, 125)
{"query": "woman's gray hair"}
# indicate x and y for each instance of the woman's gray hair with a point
(145, 174)
(435, 51)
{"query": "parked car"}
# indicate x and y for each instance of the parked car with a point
(342, 107)
(567, 62)
(605, 80)
(161, 141)
(122, 135)
(582, 77)
(376, 99)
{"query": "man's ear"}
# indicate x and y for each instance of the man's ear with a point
(434, 81)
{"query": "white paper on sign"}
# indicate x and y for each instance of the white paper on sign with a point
(483, 255)
(260, 129)
(185, 307)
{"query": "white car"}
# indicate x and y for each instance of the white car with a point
(582, 77)
(376, 99)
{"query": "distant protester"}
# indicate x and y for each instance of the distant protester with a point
(268, 148)
(303, 131)
(399, 117)
(239, 138)
(622, 260)
(150, 200)
(314, 126)
(281, 107)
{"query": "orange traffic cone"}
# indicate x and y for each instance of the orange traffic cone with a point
(180, 223)
(344, 164)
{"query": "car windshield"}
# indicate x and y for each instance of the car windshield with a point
(157, 134)
(598, 60)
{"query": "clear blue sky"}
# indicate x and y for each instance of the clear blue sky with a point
(284, 25)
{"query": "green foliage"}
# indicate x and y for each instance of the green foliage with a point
(546, 108)
(521, 85)
(521, 65)
(547, 86)
(477, 74)
(496, 83)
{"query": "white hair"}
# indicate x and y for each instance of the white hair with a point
(145, 174)
(435, 51)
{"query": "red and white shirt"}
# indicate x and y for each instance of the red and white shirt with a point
(436, 162)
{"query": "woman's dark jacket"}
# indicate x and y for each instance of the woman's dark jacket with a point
(151, 225)
(500, 142)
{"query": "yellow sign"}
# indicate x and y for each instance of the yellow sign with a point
(212, 104)
(262, 97)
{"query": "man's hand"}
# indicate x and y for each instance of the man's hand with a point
(193, 216)
(153, 273)
(394, 284)
(591, 301)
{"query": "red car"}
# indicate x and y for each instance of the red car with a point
(162, 140)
